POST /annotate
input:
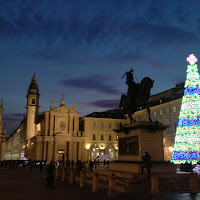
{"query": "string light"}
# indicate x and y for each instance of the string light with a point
(187, 140)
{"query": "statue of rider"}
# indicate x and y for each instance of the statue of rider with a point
(132, 86)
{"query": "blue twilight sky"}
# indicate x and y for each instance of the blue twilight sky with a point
(82, 48)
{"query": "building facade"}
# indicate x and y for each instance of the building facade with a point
(100, 139)
(165, 108)
(15, 145)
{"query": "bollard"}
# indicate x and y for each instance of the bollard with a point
(95, 182)
(193, 183)
(112, 186)
(72, 176)
(57, 173)
(154, 185)
(63, 174)
(83, 179)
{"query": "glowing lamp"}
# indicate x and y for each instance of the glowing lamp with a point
(192, 59)
(88, 146)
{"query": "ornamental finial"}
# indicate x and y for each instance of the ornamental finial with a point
(192, 59)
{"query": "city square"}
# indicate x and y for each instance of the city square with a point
(99, 100)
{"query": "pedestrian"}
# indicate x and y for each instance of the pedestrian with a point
(72, 163)
(91, 165)
(50, 174)
(41, 166)
(104, 161)
(68, 163)
(146, 162)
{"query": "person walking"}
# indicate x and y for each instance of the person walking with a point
(50, 174)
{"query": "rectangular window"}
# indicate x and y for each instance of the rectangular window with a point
(94, 137)
(110, 138)
(160, 112)
(117, 125)
(154, 114)
(174, 109)
(33, 101)
(102, 137)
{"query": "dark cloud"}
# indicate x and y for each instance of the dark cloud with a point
(97, 82)
(13, 121)
(132, 59)
(105, 104)
(10, 118)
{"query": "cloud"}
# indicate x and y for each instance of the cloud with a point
(95, 82)
(13, 121)
(105, 103)
(10, 118)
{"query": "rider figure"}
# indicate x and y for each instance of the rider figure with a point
(132, 86)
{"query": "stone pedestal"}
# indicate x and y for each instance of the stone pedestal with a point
(134, 140)
(137, 138)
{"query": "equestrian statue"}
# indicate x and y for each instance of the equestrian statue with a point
(137, 95)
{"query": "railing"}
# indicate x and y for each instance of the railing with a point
(114, 184)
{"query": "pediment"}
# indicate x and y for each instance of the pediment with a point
(63, 109)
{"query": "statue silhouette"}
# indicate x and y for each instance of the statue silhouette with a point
(137, 95)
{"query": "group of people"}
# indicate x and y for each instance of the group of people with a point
(12, 164)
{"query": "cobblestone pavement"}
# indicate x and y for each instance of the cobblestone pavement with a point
(23, 184)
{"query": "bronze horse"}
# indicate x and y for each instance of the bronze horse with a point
(138, 96)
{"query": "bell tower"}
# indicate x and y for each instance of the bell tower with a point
(32, 109)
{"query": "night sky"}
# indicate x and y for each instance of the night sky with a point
(82, 48)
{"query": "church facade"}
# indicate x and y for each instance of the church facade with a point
(54, 135)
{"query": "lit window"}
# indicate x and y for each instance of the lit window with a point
(33, 101)
(174, 109)
(160, 112)
(154, 114)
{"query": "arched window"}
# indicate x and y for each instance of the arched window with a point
(33, 101)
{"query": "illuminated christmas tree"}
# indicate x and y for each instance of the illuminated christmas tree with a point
(187, 140)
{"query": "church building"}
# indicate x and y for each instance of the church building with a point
(54, 135)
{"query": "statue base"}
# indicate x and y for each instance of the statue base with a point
(134, 140)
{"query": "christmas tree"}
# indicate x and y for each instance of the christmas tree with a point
(187, 140)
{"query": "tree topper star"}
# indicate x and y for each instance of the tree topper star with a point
(192, 59)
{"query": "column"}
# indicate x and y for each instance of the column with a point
(38, 150)
(46, 123)
(75, 126)
(2, 149)
(70, 150)
(70, 125)
(81, 151)
(50, 151)
(51, 125)
(75, 152)
(44, 150)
